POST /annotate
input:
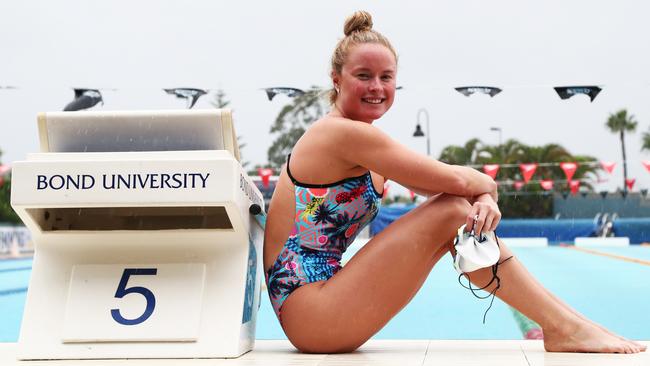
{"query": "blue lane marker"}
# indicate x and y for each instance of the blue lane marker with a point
(12, 291)
(15, 269)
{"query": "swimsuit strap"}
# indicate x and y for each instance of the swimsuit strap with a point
(326, 185)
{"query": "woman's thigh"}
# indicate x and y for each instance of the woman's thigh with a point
(340, 314)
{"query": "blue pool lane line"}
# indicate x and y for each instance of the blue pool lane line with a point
(13, 291)
(15, 269)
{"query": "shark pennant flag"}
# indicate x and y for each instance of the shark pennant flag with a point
(469, 90)
(569, 169)
(84, 99)
(491, 170)
(190, 94)
(289, 92)
(629, 182)
(566, 92)
(527, 171)
(609, 166)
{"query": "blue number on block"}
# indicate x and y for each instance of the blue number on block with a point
(122, 290)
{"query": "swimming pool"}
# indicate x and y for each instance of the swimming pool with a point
(604, 286)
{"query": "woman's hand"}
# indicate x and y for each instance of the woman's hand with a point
(485, 212)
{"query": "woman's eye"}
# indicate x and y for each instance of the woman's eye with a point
(363, 76)
(387, 77)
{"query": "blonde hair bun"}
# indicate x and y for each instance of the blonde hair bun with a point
(358, 22)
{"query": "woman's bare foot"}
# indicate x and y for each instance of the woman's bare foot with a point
(583, 336)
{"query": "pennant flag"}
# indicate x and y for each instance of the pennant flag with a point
(547, 184)
(569, 169)
(289, 92)
(412, 195)
(566, 92)
(644, 192)
(265, 174)
(574, 185)
(609, 166)
(646, 164)
(527, 171)
(469, 90)
(603, 194)
(629, 182)
(190, 94)
(491, 170)
(84, 99)
(518, 185)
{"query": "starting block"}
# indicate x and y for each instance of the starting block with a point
(145, 246)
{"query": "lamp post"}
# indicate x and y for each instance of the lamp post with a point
(418, 129)
(498, 129)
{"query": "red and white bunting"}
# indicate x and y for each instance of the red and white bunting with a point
(646, 164)
(608, 166)
(527, 171)
(547, 184)
(518, 185)
(265, 174)
(574, 185)
(629, 182)
(412, 194)
(491, 170)
(569, 169)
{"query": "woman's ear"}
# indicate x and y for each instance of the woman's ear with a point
(335, 80)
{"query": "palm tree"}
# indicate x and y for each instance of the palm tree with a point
(646, 141)
(461, 155)
(620, 122)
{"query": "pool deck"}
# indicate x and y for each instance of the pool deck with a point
(384, 352)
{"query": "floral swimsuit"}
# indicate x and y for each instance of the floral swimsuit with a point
(328, 217)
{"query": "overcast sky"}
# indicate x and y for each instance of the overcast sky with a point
(524, 47)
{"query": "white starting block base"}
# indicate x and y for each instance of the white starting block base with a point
(139, 253)
(602, 242)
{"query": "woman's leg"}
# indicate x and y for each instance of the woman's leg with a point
(342, 313)
(564, 330)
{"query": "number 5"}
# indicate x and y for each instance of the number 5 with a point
(122, 290)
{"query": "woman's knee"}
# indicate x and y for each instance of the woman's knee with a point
(453, 209)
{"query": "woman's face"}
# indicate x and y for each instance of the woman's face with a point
(367, 82)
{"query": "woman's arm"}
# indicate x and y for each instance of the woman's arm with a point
(362, 144)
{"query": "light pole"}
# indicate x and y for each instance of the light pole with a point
(418, 129)
(498, 129)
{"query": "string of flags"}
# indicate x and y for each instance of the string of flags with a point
(85, 98)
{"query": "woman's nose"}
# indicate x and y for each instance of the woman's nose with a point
(375, 84)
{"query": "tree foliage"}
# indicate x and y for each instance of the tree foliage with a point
(292, 122)
(619, 123)
(219, 101)
(534, 201)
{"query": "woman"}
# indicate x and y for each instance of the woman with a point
(331, 187)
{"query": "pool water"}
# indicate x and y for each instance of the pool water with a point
(612, 291)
